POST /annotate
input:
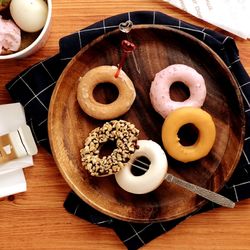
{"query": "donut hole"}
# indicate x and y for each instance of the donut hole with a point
(188, 134)
(140, 166)
(107, 148)
(179, 92)
(105, 93)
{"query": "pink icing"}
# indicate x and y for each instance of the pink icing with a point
(160, 88)
(10, 35)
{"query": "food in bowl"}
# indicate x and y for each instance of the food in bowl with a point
(10, 36)
(30, 15)
(4, 4)
(33, 18)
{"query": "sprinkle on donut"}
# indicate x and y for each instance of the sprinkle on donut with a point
(160, 88)
(125, 135)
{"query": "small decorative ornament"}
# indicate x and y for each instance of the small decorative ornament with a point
(126, 26)
(127, 47)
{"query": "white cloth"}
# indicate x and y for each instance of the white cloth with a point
(12, 179)
(230, 15)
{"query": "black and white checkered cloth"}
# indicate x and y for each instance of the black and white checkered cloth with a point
(34, 86)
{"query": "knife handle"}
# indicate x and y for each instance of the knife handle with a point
(205, 193)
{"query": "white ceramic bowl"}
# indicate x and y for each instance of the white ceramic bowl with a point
(37, 43)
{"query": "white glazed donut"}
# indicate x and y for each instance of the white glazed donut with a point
(152, 178)
(160, 88)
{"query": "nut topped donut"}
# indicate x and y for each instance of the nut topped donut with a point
(160, 88)
(125, 135)
(105, 74)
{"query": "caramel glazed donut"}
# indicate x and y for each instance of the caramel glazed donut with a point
(160, 88)
(206, 137)
(124, 133)
(152, 178)
(101, 111)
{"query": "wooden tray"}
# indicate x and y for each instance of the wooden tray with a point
(157, 47)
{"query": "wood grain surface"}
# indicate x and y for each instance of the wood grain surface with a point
(157, 48)
(36, 219)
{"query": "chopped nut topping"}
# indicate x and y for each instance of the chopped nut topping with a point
(124, 133)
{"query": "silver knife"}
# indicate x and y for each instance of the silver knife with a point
(205, 193)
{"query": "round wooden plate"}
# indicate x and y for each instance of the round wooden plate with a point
(157, 47)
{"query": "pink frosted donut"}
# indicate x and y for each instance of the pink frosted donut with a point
(160, 88)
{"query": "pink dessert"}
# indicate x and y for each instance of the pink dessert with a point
(160, 88)
(10, 36)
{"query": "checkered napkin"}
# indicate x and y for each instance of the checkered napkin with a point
(34, 86)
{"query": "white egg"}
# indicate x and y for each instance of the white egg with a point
(29, 15)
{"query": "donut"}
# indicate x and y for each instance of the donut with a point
(206, 133)
(160, 88)
(103, 74)
(152, 178)
(124, 134)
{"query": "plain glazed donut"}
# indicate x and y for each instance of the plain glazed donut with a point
(125, 135)
(152, 178)
(101, 111)
(160, 88)
(206, 137)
